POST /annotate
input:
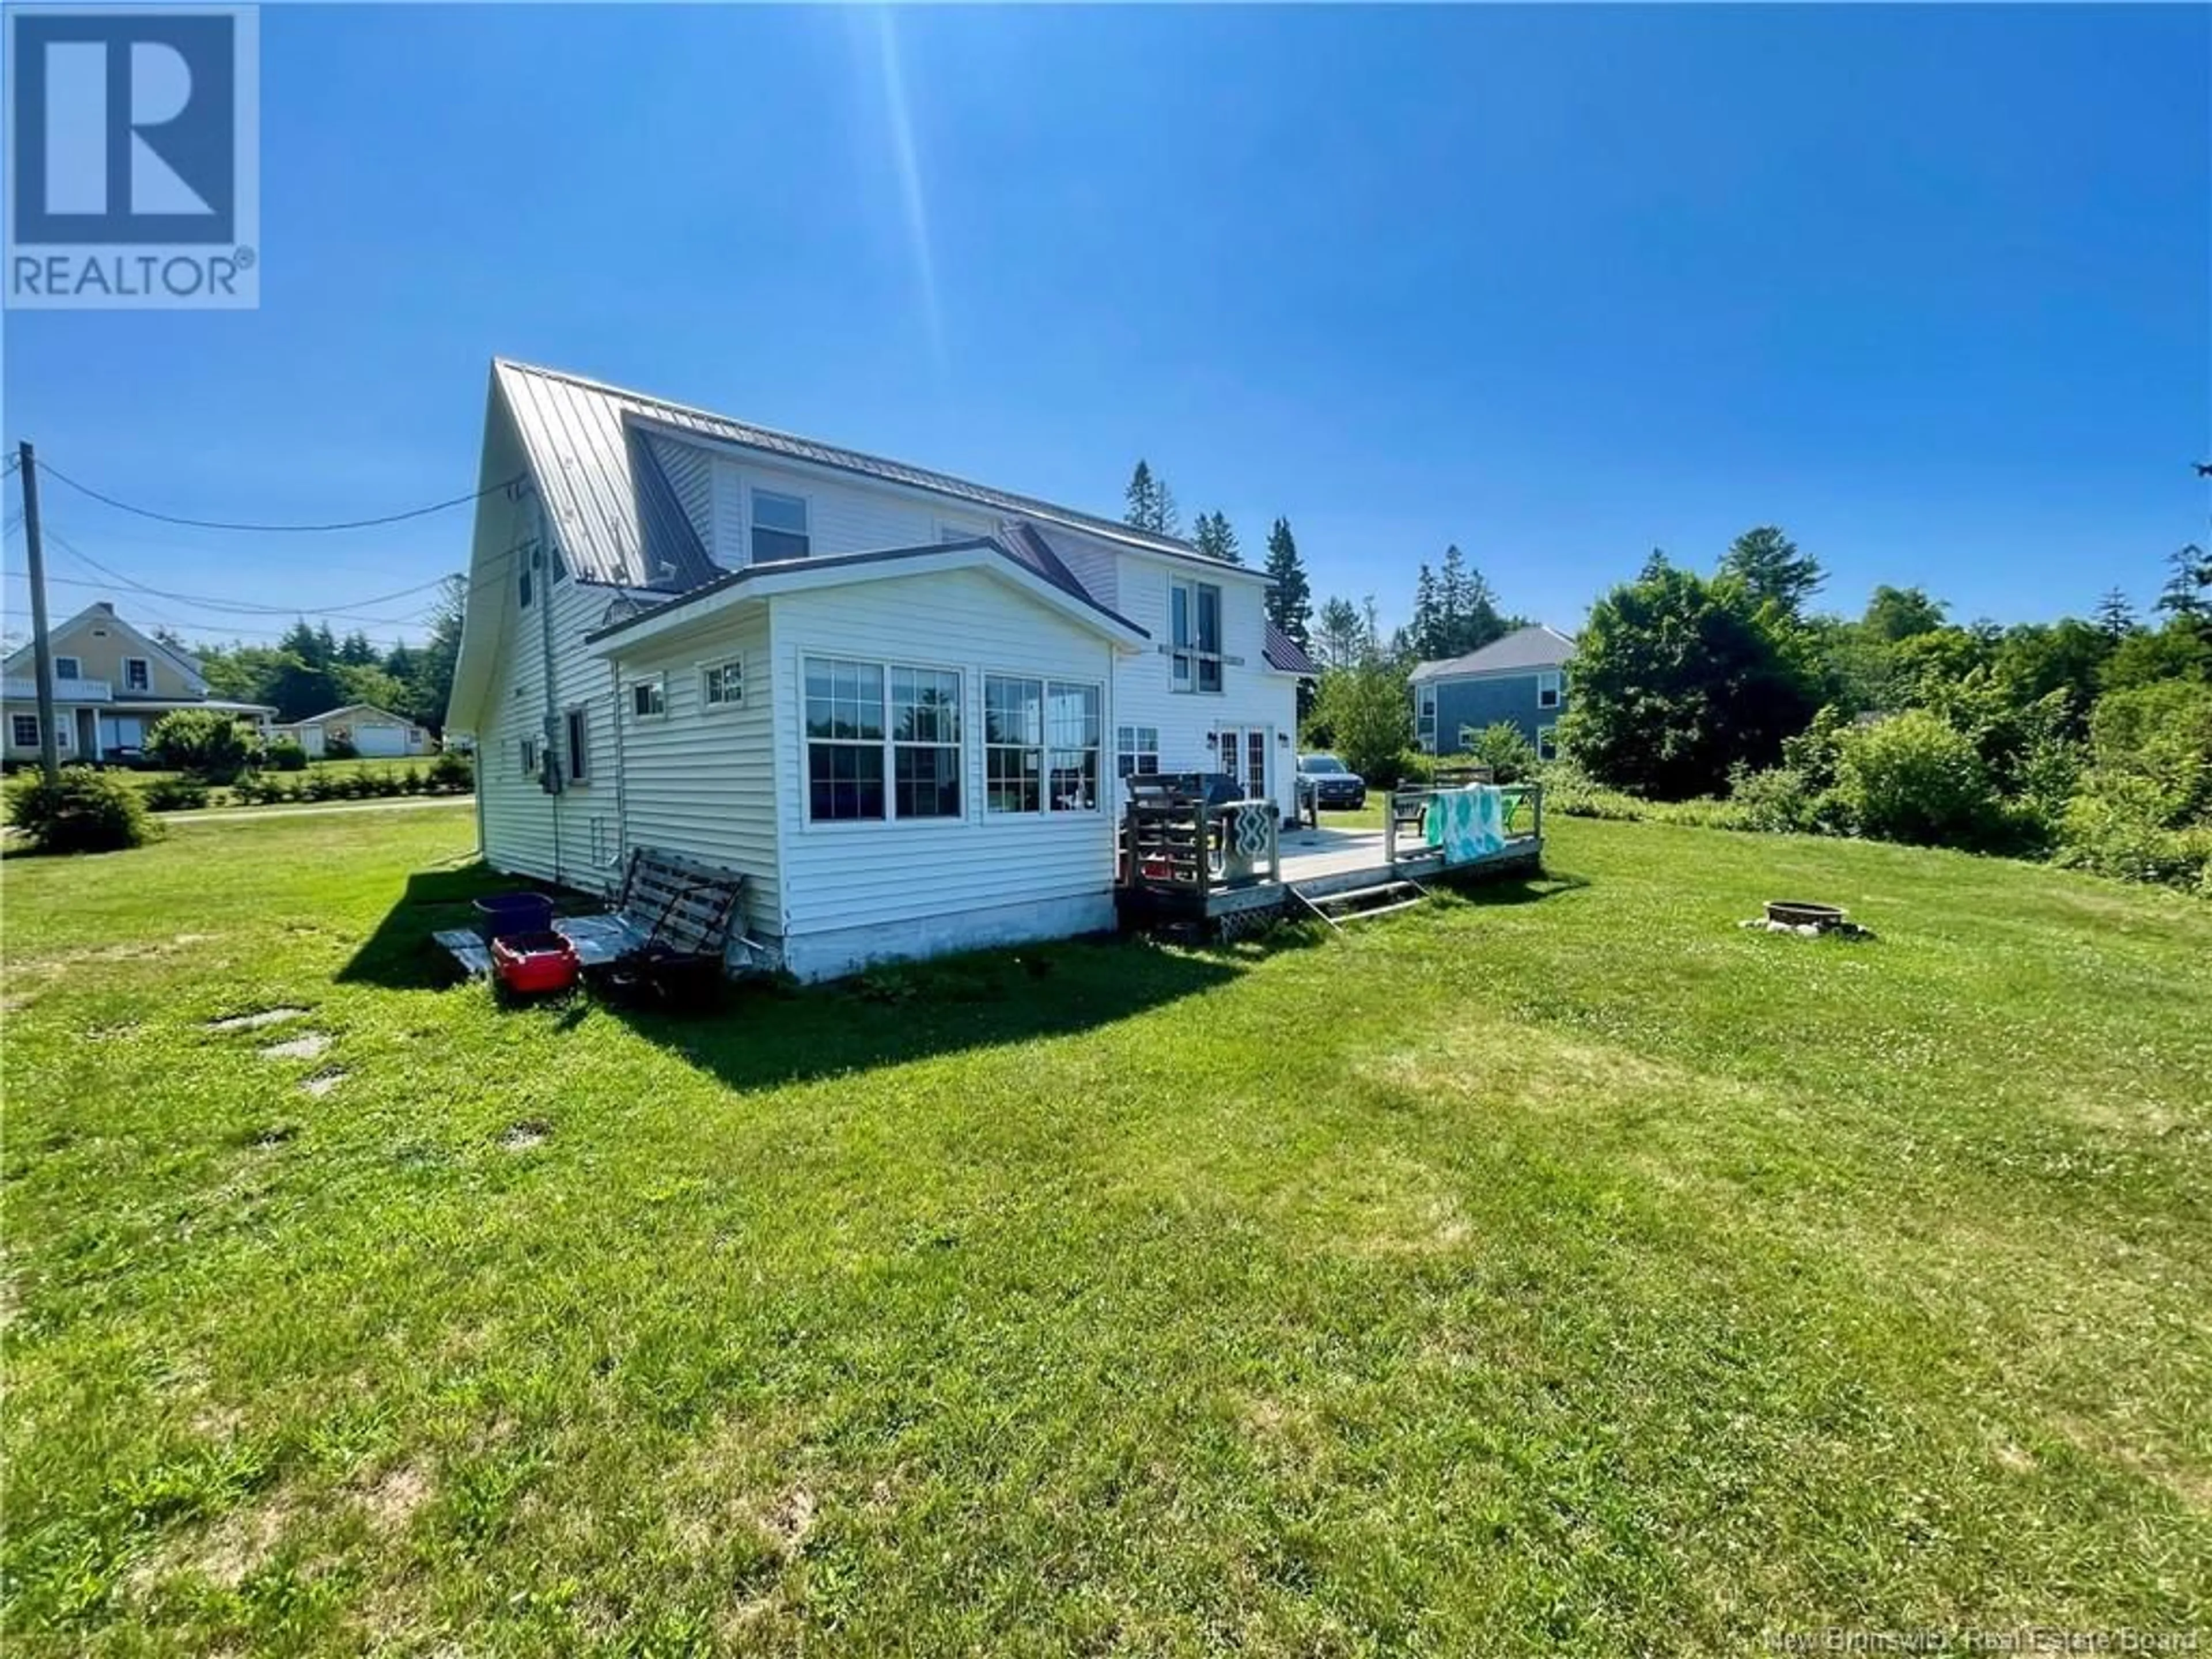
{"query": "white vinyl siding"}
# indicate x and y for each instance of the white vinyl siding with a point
(840, 875)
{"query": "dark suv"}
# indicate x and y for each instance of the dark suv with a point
(1328, 781)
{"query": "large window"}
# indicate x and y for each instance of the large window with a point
(1547, 689)
(1194, 626)
(1041, 742)
(778, 526)
(1137, 752)
(882, 742)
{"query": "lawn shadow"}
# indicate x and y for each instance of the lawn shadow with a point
(766, 1035)
(400, 955)
(1517, 890)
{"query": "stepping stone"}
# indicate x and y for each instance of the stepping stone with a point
(255, 1021)
(305, 1046)
(323, 1082)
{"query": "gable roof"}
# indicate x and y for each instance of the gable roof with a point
(103, 610)
(1285, 653)
(351, 708)
(1525, 650)
(1035, 566)
(601, 454)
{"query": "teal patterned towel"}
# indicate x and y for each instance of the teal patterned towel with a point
(1468, 824)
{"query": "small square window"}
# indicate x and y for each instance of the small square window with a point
(722, 684)
(649, 699)
(68, 668)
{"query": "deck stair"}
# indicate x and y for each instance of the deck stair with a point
(1345, 905)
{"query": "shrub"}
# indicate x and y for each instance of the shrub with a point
(1501, 747)
(285, 755)
(453, 770)
(205, 742)
(85, 811)
(174, 794)
(1915, 778)
(336, 748)
(321, 785)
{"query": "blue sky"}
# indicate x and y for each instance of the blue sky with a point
(1931, 288)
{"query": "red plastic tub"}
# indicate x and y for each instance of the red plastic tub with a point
(530, 963)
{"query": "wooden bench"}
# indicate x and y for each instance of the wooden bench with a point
(669, 927)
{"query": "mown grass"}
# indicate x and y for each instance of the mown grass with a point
(1556, 1269)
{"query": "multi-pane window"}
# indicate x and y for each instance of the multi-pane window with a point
(648, 698)
(778, 526)
(1547, 689)
(24, 729)
(1194, 629)
(68, 668)
(137, 674)
(1137, 752)
(722, 684)
(924, 742)
(1548, 743)
(1041, 742)
(844, 739)
(579, 745)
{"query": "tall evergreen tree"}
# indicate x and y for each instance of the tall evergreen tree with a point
(1150, 503)
(1425, 634)
(2115, 616)
(1340, 634)
(1773, 572)
(2187, 596)
(1290, 601)
(355, 652)
(1217, 538)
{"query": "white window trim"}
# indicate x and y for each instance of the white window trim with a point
(1549, 685)
(891, 820)
(657, 683)
(1189, 686)
(752, 495)
(1045, 809)
(527, 753)
(571, 777)
(145, 680)
(1136, 752)
(1547, 735)
(735, 659)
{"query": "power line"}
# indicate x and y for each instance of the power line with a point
(411, 618)
(207, 602)
(284, 529)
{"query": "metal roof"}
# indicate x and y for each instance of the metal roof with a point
(1285, 653)
(592, 449)
(1030, 551)
(1519, 652)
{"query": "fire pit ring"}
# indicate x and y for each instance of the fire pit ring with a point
(1793, 912)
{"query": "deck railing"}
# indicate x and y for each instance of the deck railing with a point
(1405, 810)
(1195, 848)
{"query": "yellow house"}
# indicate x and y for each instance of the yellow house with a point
(111, 684)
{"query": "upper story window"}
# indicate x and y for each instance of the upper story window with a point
(1194, 629)
(137, 674)
(1547, 688)
(648, 698)
(68, 668)
(778, 526)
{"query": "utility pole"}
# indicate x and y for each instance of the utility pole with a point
(50, 757)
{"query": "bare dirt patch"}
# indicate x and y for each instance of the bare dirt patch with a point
(255, 1021)
(392, 1501)
(305, 1046)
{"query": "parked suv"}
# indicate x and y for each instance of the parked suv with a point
(1325, 780)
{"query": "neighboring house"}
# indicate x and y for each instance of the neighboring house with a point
(372, 732)
(111, 684)
(899, 703)
(1521, 679)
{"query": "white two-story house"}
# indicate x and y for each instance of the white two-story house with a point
(899, 703)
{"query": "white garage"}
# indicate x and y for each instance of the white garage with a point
(374, 733)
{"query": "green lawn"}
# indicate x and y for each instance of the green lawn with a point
(1562, 1271)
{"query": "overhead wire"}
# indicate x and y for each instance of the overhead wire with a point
(279, 529)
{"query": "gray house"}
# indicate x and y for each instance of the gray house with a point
(1520, 679)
